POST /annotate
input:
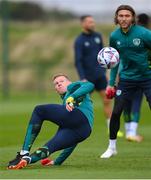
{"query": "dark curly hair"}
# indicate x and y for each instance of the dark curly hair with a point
(125, 7)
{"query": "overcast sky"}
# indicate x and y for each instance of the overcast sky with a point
(101, 8)
(95, 6)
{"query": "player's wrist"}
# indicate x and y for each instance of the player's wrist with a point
(70, 101)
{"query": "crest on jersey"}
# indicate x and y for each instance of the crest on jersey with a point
(136, 42)
(87, 44)
(118, 92)
(97, 40)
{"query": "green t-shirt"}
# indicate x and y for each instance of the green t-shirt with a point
(133, 48)
(80, 92)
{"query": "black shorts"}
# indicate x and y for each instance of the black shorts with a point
(100, 83)
(127, 89)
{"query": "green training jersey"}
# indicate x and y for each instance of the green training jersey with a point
(133, 48)
(80, 92)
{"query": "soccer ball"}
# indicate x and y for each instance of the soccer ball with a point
(108, 57)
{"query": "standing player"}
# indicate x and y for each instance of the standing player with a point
(86, 47)
(74, 119)
(132, 42)
(132, 110)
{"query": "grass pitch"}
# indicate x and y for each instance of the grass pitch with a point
(133, 159)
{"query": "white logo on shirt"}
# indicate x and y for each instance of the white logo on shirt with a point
(97, 40)
(136, 42)
(87, 44)
(118, 42)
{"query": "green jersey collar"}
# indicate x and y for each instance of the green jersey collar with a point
(129, 30)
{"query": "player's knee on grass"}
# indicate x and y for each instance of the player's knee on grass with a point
(39, 154)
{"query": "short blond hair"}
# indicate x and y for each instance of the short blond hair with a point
(58, 75)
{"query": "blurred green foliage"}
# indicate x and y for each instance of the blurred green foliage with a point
(29, 11)
(39, 49)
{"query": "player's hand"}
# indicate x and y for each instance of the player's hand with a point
(110, 92)
(70, 104)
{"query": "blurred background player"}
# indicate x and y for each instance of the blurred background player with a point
(74, 119)
(132, 110)
(86, 47)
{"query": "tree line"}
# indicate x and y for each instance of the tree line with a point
(29, 11)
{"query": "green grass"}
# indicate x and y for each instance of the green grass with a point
(133, 159)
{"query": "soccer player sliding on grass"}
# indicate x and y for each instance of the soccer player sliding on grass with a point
(132, 42)
(74, 119)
